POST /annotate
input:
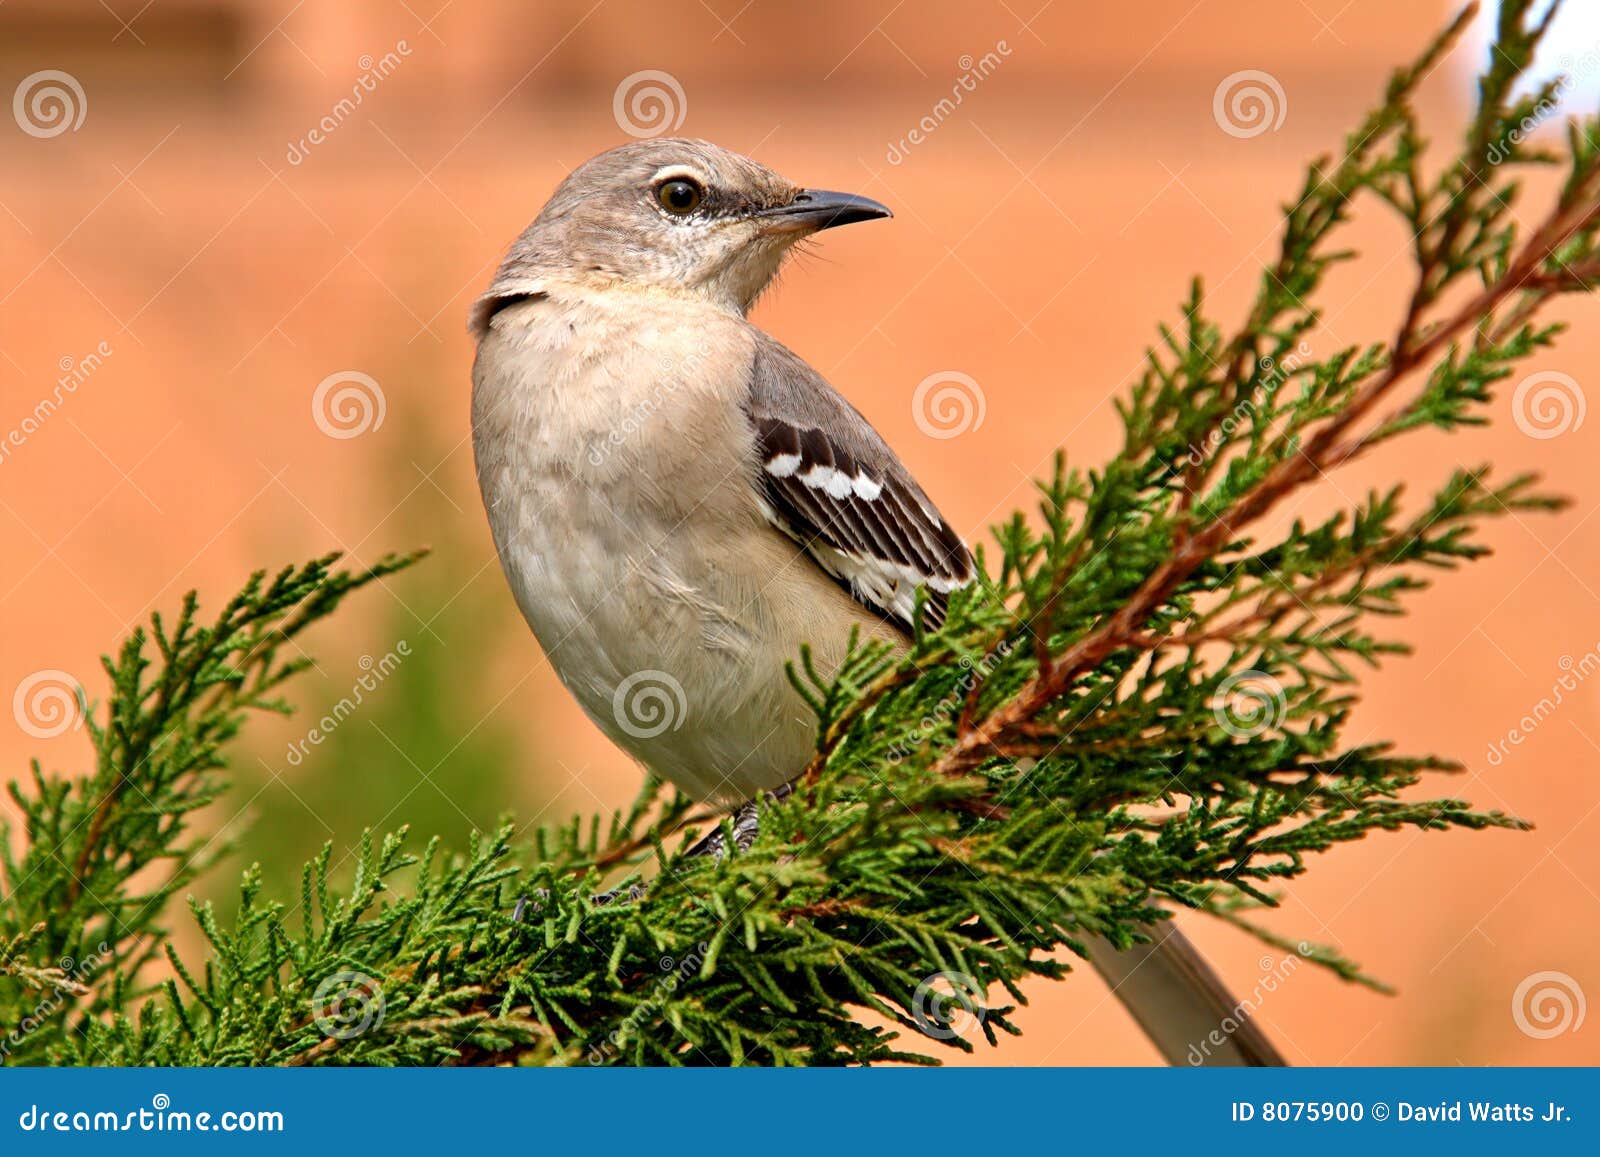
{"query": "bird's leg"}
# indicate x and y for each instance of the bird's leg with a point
(619, 896)
(746, 827)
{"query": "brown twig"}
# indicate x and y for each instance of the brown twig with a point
(1413, 350)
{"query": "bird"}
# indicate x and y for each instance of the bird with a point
(680, 503)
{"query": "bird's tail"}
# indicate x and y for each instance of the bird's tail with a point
(1180, 1002)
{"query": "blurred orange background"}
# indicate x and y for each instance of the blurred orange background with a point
(197, 264)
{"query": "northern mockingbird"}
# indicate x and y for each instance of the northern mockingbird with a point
(680, 503)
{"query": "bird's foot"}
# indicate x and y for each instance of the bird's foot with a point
(531, 905)
(628, 895)
(524, 903)
(746, 827)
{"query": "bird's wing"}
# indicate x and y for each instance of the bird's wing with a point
(829, 481)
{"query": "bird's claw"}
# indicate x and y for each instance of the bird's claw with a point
(746, 827)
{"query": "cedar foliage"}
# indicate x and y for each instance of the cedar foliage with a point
(1142, 708)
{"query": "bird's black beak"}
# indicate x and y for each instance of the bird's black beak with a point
(816, 209)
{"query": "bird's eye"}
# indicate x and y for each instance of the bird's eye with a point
(680, 196)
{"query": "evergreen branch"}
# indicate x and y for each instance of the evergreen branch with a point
(103, 854)
(1143, 709)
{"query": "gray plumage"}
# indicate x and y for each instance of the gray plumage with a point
(830, 482)
(679, 502)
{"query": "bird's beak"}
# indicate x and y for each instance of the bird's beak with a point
(814, 209)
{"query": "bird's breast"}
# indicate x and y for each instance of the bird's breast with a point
(616, 464)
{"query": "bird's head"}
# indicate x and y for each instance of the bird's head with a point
(674, 215)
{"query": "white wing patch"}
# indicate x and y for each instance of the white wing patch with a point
(827, 478)
(889, 586)
(876, 534)
(783, 465)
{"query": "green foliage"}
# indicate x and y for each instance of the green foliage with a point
(1142, 708)
(401, 733)
(103, 854)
